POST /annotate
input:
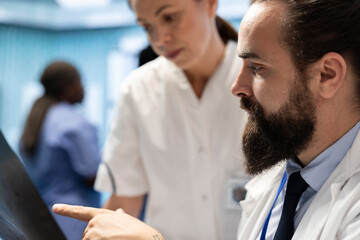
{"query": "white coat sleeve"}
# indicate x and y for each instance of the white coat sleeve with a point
(122, 163)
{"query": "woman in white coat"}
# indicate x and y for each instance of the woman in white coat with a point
(175, 135)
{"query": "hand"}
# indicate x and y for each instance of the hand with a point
(108, 224)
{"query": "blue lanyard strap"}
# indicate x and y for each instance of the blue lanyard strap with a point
(266, 223)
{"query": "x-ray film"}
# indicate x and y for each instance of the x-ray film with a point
(23, 214)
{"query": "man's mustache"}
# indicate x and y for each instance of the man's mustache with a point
(247, 104)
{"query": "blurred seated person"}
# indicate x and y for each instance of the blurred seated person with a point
(59, 147)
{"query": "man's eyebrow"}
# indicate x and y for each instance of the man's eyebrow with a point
(246, 55)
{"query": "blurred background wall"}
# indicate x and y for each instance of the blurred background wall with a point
(100, 37)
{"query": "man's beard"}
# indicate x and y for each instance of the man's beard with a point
(269, 140)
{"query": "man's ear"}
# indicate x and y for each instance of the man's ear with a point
(332, 68)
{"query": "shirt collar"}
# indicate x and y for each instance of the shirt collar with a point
(318, 170)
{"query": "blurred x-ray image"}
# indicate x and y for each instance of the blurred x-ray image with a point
(23, 214)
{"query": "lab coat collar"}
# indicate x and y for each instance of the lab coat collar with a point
(261, 193)
(315, 217)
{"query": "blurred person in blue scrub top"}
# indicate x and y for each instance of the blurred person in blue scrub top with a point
(59, 147)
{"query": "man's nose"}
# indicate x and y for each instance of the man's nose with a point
(242, 85)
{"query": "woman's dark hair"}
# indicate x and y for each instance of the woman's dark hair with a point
(56, 79)
(312, 28)
(226, 31)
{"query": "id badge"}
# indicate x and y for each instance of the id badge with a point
(235, 192)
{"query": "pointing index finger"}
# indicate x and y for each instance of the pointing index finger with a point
(78, 212)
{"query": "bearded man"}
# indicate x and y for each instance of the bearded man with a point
(300, 85)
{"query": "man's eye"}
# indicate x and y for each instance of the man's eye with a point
(255, 68)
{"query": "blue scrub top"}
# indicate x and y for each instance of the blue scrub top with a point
(67, 155)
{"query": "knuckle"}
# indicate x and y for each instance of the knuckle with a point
(91, 223)
(76, 211)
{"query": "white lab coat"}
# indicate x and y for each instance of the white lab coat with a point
(180, 149)
(333, 214)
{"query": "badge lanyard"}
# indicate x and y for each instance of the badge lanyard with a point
(263, 233)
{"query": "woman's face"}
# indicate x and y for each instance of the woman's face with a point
(74, 93)
(180, 30)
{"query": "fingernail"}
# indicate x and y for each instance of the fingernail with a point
(57, 207)
(120, 210)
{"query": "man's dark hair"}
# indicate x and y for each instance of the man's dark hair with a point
(312, 28)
